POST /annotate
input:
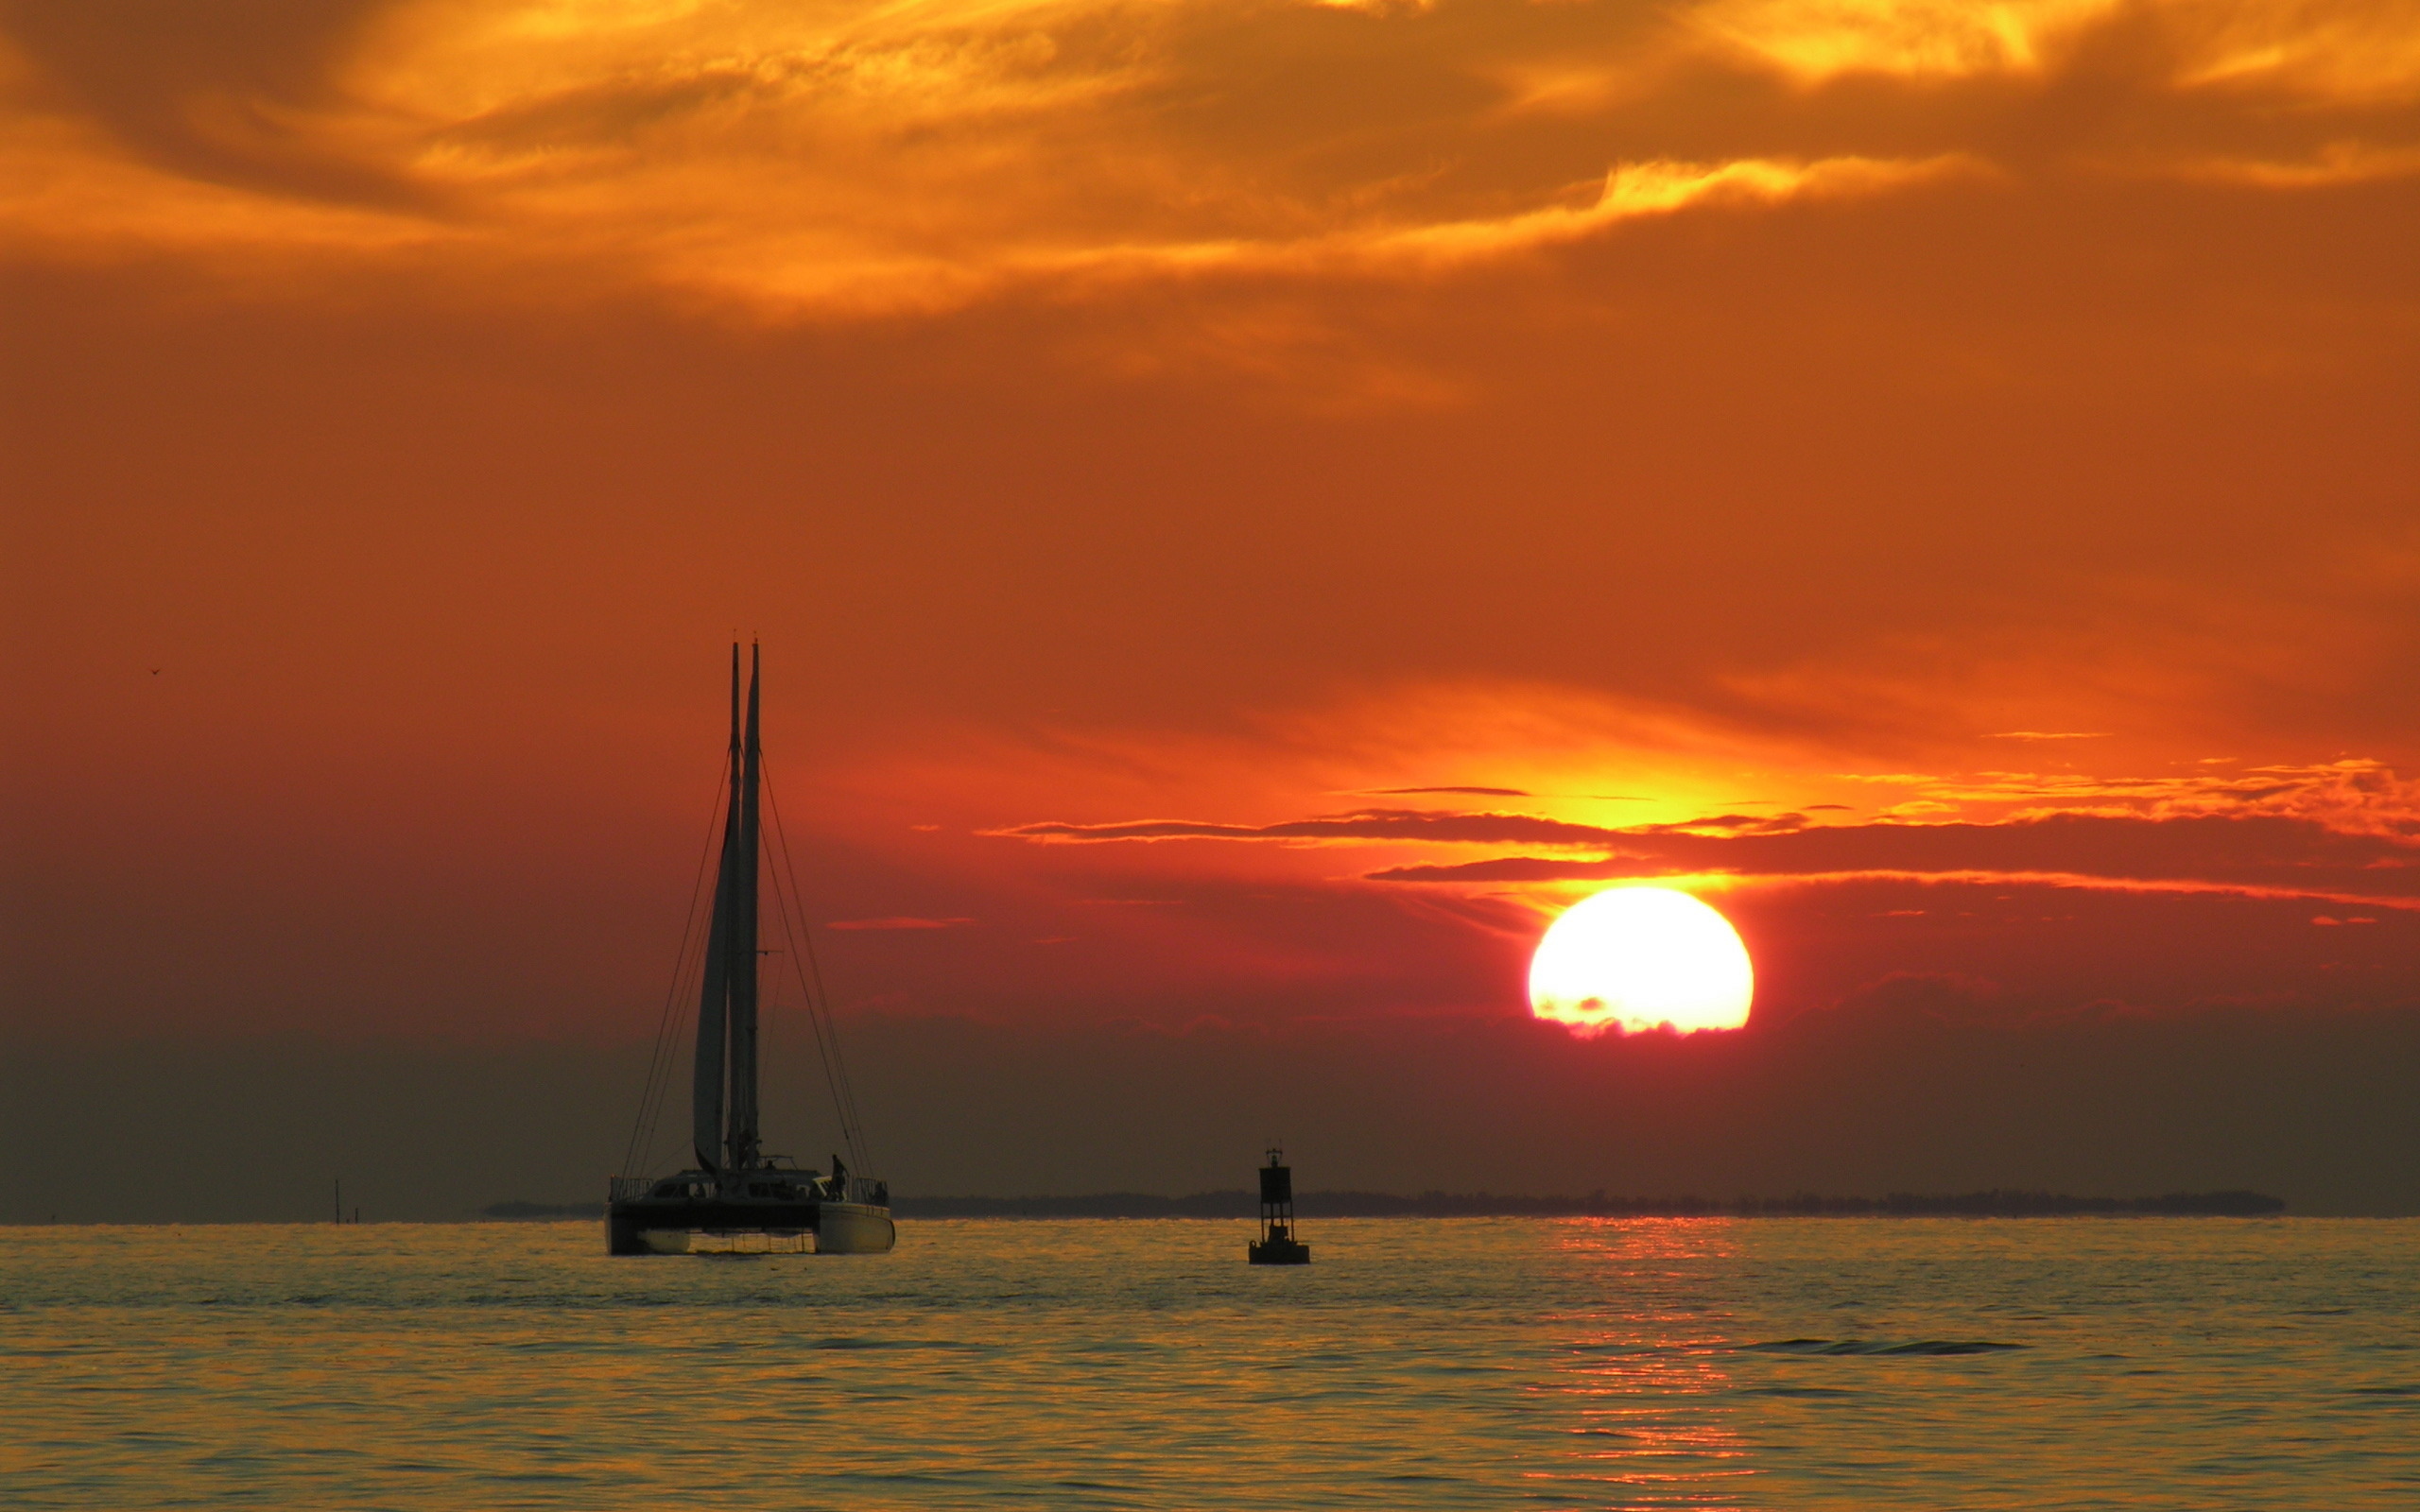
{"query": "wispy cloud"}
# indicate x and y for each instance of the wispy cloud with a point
(2335, 164)
(2345, 834)
(1817, 39)
(1380, 825)
(1472, 792)
(2342, 52)
(2250, 854)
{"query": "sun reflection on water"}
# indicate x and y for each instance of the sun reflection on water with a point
(1642, 1379)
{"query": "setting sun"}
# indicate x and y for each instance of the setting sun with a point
(1641, 958)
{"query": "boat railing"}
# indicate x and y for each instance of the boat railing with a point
(856, 1189)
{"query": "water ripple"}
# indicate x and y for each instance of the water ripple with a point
(1875, 1347)
(1579, 1364)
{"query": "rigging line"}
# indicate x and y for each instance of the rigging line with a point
(688, 969)
(688, 980)
(826, 1044)
(844, 1096)
(782, 904)
(659, 1060)
(805, 964)
(640, 1156)
(643, 1131)
(813, 965)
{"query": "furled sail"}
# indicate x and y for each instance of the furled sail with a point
(743, 1133)
(726, 1054)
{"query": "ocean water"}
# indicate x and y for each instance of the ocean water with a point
(1469, 1363)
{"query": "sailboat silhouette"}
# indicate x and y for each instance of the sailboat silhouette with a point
(734, 1189)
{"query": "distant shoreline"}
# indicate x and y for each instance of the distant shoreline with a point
(1240, 1204)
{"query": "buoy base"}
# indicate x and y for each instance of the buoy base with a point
(1278, 1252)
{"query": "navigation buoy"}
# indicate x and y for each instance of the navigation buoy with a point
(1277, 1244)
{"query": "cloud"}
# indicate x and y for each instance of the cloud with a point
(1632, 190)
(2308, 48)
(2346, 833)
(1901, 998)
(2351, 794)
(1817, 39)
(800, 162)
(2250, 854)
(901, 158)
(1746, 823)
(1473, 792)
(2333, 164)
(1363, 825)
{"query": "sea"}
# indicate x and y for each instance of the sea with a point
(1710, 1362)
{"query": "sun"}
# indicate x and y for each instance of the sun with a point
(1641, 958)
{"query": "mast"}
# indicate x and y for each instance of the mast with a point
(707, 1081)
(744, 959)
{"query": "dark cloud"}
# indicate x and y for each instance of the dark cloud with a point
(2269, 851)
(1748, 823)
(1366, 824)
(2289, 855)
(220, 91)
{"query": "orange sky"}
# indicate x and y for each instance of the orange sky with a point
(1941, 478)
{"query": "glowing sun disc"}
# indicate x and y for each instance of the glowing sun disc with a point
(1641, 958)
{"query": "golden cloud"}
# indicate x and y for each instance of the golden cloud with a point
(2338, 162)
(823, 158)
(2368, 52)
(1815, 39)
(2337, 51)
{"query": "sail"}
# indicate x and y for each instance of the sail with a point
(722, 961)
(743, 943)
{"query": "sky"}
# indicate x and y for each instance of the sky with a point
(1249, 508)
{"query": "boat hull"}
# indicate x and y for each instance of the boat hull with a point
(853, 1228)
(656, 1227)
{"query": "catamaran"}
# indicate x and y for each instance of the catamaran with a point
(734, 1196)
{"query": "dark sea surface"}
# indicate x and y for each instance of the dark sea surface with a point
(1473, 1363)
